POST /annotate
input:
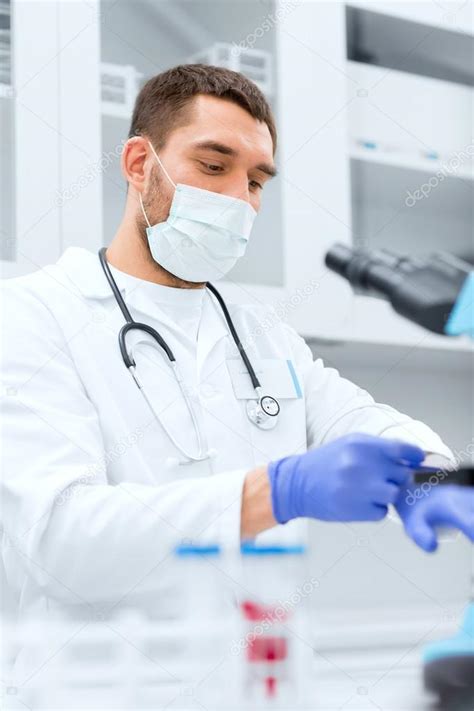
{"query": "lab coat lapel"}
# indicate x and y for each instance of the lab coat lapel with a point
(212, 329)
(84, 270)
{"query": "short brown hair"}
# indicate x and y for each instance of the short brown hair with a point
(161, 103)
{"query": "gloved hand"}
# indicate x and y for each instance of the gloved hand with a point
(352, 478)
(447, 505)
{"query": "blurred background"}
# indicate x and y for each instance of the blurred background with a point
(373, 102)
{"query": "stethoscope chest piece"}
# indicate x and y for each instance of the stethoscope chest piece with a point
(263, 412)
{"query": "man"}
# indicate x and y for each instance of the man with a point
(105, 473)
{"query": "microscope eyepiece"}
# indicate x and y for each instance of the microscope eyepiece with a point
(423, 290)
(338, 258)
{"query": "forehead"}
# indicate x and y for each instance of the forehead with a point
(222, 120)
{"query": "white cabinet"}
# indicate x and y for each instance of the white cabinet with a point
(410, 145)
(30, 221)
(362, 132)
(313, 164)
(82, 158)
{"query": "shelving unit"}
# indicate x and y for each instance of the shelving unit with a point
(256, 64)
(120, 85)
(5, 45)
(363, 150)
(410, 150)
(7, 246)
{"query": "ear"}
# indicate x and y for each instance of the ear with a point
(134, 164)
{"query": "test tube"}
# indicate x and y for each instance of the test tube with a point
(275, 653)
(207, 622)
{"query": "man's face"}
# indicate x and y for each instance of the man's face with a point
(222, 149)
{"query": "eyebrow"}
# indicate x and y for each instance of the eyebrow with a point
(267, 168)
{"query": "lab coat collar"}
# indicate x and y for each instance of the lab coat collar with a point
(84, 270)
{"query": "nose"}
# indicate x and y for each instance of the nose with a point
(237, 187)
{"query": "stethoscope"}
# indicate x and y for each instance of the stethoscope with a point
(262, 412)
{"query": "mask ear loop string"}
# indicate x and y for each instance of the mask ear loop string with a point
(167, 175)
(143, 209)
(163, 167)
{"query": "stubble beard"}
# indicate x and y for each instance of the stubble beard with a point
(157, 201)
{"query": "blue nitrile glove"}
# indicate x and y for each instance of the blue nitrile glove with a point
(350, 479)
(447, 505)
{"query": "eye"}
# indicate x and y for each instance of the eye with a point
(256, 184)
(212, 167)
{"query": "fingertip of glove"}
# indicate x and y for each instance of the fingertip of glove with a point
(426, 541)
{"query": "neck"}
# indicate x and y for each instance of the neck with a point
(130, 254)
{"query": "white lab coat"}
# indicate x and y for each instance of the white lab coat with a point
(93, 496)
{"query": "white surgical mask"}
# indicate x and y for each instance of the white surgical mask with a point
(204, 235)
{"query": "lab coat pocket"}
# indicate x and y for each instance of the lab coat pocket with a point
(280, 380)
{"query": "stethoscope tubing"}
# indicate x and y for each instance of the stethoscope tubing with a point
(154, 333)
(129, 361)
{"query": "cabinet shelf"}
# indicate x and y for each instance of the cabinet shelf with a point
(410, 161)
(385, 40)
(447, 16)
(390, 329)
(409, 113)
